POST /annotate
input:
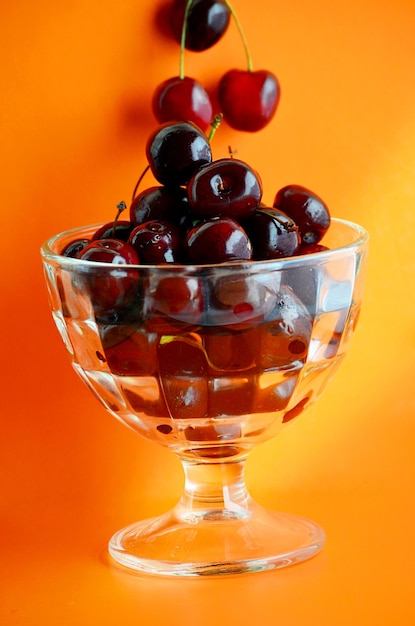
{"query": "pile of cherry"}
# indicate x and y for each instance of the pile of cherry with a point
(205, 211)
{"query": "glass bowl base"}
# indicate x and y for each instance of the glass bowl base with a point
(216, 542)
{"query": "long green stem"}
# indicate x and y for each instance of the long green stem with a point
(183, 38)
(242, 34)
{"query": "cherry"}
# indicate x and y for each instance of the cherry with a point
(175, 151)
(181, 358)
(230, 396)
(161, 203)
(182, 98)
(73, 248)
(156, 242)
(216, 437)
(113, 290)
(311, 248)
(225, 187)
(217, 240)
(230, 351)
(242, 301)
(307, 209)
(273, 234)
(248, 99)
(177, 297)
(277, 395)
(285, 336)
(303, 281)
(118, 229)
(128, 350)
(112, 251)
(206, 22)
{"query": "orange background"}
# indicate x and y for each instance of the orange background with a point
(76, 84)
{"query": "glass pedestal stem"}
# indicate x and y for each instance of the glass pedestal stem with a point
(216, 529)
(215, 489)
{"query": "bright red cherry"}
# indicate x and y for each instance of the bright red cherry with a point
(248, 99)
(207, 21)
(182, 99)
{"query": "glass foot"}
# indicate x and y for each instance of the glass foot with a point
(216, 541)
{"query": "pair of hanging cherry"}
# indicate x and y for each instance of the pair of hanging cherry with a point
(248, 99)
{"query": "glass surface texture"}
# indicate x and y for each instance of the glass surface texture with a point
(210, 361)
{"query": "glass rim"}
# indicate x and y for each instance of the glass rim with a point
(48, 254)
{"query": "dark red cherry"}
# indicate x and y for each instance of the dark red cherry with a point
(128, 350)
(311, 248)
(273, 234)
(156, 242)
(182, 358)
(307, 209)
(248, 99)
(110, 251)
(175, 298)
(182, 99)
(121, 230)
(161, 203)
(207, 439)
(207, 21)
(225, 187)
(73, 248)
(240, 301)
(285, 336)
(217, 240)
(113, 289)
(175, 151)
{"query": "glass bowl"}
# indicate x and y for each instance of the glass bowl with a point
(210, 361)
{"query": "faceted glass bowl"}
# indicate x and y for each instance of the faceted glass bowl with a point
(210, 361)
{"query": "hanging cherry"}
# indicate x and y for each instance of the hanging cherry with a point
(248, 98)
(182, 97)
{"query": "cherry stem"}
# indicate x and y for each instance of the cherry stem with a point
(241, 33)
(143, 173)
(183, 37)
(121, 206)
(215, 123)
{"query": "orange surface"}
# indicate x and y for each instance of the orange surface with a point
(76, 82)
